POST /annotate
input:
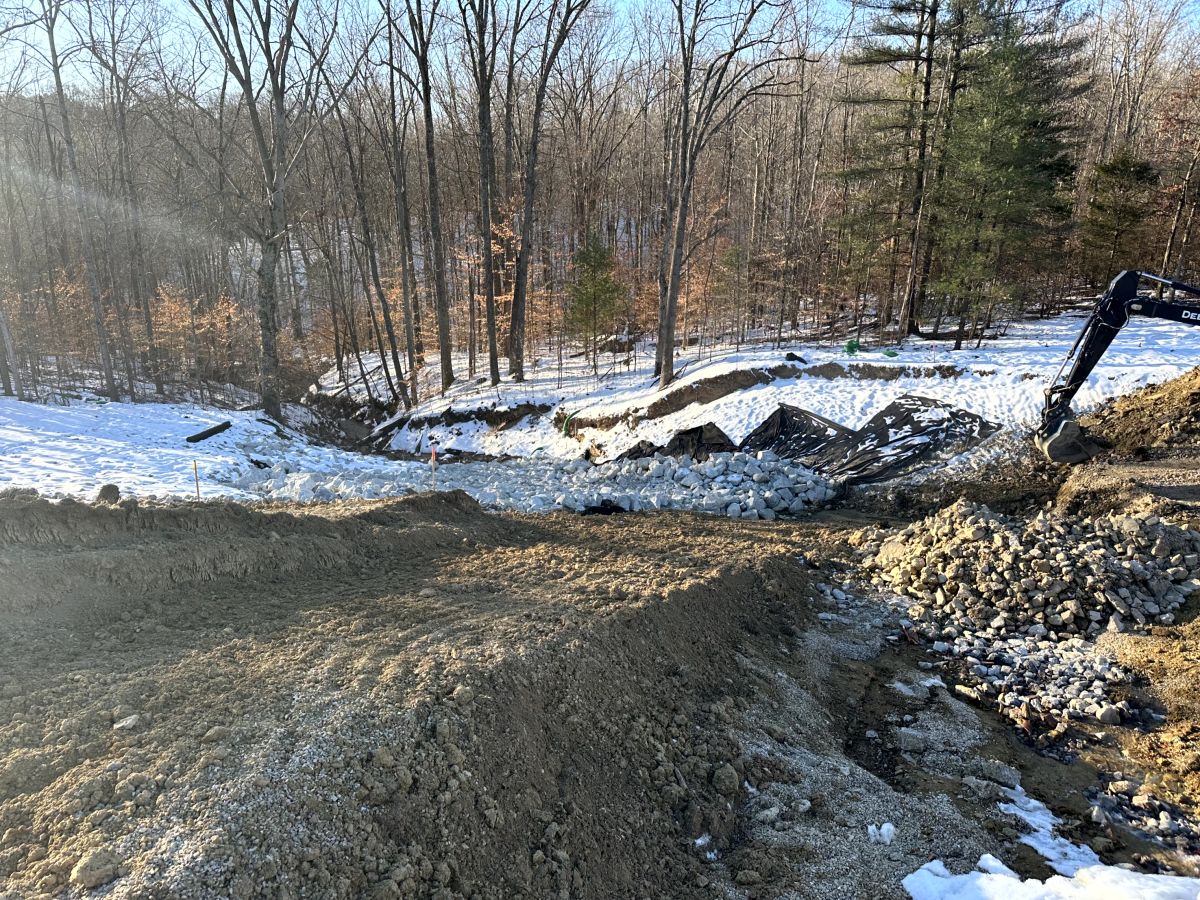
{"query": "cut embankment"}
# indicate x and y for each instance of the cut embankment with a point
(708, 390)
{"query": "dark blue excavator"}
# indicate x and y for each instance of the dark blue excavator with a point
(1060, 436)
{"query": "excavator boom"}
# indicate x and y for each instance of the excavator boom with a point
(1059, 436)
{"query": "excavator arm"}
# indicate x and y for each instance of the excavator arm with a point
(1059, 436)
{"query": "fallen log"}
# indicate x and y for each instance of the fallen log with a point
(208, 432)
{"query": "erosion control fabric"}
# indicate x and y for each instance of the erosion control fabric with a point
(907, 433)
(904, 434)
(794, 433)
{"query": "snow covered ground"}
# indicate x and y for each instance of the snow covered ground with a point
(1081, 874)
(74, 449)
(142, 448)
(1002, 381)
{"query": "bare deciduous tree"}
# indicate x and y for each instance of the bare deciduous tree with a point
(727, 55)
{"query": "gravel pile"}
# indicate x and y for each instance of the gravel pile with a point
(737, 485)
(1019, 601)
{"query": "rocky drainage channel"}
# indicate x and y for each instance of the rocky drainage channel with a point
(1018, 604)
(738, 485)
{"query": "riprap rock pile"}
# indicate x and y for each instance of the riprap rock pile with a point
(738, 485)
(1021, 601)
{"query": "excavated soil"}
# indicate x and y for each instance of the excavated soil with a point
(416, 698)
(1155, 439)
(1151, 467)
(1164, 759)
(1156, 417)
(709, 390)
(706, 390)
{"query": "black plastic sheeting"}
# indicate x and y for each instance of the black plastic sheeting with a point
(698, 443)
(904, 435)
(909, 432)
(794, 433)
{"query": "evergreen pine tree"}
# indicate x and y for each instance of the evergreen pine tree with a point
(1006, 165)
(595, 297)
(1114, 230)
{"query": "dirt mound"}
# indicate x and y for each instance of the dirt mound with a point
(1021, 600)
(1164, 762)
(497, 727)
(1166, 486)
(1155, 439)
(1159, 416)
(865, 370)
(463, 705)
(973, 570)
(131, 552)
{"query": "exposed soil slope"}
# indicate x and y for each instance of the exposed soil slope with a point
(1160, 416)
(1155, 458)
(416, 698)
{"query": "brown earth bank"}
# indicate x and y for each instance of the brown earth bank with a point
(1152, 468)
(1154, 460)
(496, 417)
(709, 390)
(416, 698)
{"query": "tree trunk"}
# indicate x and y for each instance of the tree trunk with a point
(914, 287)
(85, 232)
(8, 365)
(441, 299)
(360, 204)
(1177, 216)
(667, 329)
(551, 46)
(487, 189)
(269, 374)
(516, 334)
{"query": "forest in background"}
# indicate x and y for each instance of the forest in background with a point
(247, 192)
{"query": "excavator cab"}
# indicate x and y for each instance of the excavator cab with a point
(1060, 436)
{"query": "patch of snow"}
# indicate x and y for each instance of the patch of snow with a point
(911, 690)
(1082, 876)
(704, 843)
(989, 863)
(881, 834)
(1063, 856)
(994, 881)
(1003, 381)
(73, 450)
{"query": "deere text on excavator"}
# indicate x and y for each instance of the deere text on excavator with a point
(1059, 436)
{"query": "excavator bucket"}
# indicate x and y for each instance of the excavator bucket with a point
(1065, 442)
